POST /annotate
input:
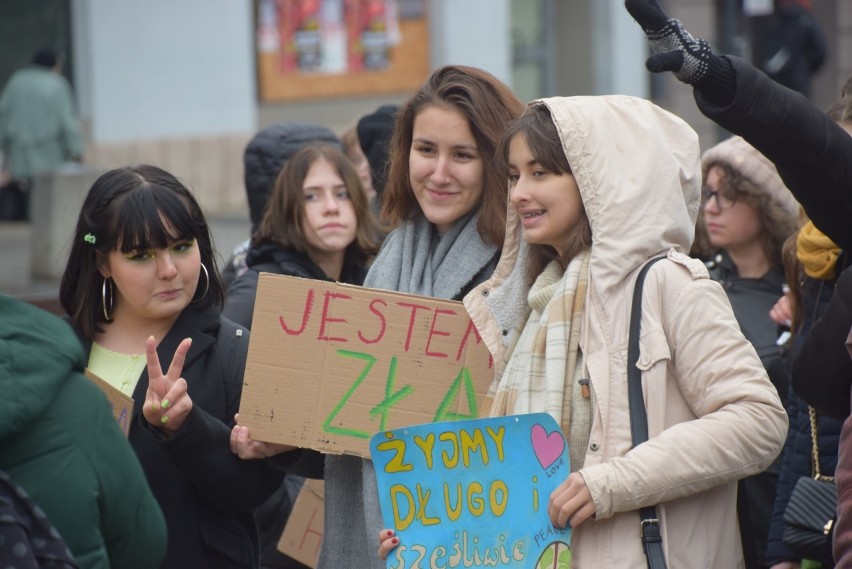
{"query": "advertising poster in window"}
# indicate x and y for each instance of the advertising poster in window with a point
(331, 48)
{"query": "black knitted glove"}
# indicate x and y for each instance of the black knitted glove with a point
(673, 48)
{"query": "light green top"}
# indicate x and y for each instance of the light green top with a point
(122, 371)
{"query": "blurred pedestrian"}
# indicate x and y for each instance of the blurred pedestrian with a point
(39, 129)
(790, 45)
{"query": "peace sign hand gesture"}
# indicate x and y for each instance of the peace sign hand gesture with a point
(167, 403)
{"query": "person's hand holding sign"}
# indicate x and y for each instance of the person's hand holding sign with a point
(571, 503)
(247, 448)
(387, 542)
(167, 403)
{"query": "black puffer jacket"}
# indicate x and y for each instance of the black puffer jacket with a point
(812, 153)
(793, 46)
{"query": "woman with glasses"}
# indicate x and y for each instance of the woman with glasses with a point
(746, 215)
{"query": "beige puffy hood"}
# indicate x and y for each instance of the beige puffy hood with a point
(639, 173)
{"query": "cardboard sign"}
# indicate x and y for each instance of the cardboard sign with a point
(473, 493)
(121, 404)
(303, 532)
(330, 364)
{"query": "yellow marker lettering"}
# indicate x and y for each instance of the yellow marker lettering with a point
(426, 445)
(470, 444)
(453, 513)
(398, 491)
(475, 503)
(498, 490)
(397, 462)
(423, 501)
(498, 440)
(452, 438)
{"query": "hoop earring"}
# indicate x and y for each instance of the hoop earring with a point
(107, 312)
(207, 281)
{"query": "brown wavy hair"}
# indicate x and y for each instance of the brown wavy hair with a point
(776, 223)
(489, 106)
(282, 222)
(539, 132)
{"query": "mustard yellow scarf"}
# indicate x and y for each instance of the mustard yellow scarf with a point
(816, 252)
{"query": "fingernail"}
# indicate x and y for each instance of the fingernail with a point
(395, 540)
(390, 532)
(244, 430)
(164, 419)
(155, 406)
(165, 404)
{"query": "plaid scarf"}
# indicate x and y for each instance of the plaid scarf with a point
(546, 361)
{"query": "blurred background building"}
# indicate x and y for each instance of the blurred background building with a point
(185, 84)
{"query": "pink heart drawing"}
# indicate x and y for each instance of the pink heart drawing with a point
(548, 448)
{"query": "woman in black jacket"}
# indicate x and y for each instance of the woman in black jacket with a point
(813, 155)
(317, 225)
(142, 291)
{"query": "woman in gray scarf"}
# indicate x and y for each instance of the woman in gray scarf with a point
(446, 195)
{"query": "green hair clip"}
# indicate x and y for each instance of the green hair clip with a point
(89, 238)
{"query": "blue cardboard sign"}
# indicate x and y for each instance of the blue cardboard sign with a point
(473, 493)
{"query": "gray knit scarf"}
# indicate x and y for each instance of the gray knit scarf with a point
(414, 259)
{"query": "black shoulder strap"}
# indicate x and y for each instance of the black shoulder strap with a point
(638, 418)
(652, 539)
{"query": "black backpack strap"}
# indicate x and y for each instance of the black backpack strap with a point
(652, 539)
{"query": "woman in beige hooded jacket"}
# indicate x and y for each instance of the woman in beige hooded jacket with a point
(614, 184)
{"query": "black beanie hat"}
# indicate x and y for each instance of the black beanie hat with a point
(268, 151)
(45, 57)
(374, 134)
